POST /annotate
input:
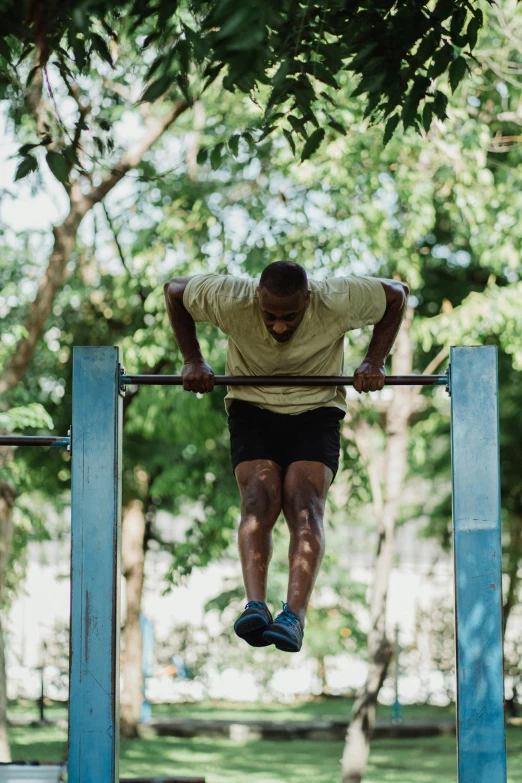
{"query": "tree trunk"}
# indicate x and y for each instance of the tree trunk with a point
(133, 562)
(52, 281)
(7, 499)
(357, 745)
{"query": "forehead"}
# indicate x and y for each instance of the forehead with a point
(281, 304)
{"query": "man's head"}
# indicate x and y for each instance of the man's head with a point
(283, 298)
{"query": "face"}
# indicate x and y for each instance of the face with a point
(282, 314)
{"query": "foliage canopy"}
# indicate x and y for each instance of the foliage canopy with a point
(288, 55)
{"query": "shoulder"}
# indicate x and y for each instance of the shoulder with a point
(222, 287)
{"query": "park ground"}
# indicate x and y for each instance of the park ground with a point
(426, 760)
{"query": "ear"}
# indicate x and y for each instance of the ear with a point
(307, 299)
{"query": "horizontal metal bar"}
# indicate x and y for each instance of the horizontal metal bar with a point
(284, 380)
(33, 440)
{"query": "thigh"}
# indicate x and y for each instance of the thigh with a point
(305, 487)
(260, 487)
(254, 435)
(316, 437)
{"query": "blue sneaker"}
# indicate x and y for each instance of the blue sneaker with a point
(286, 632)
(250, 625)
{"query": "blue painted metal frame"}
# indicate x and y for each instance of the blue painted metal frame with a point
(481, 735)
(95, 559)
(95, 566)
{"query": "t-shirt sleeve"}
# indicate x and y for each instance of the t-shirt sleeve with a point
(204, 301)
(363, 303)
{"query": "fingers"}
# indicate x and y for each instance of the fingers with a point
(199, 384)
(367, 383)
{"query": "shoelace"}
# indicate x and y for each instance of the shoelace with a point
(289, 618)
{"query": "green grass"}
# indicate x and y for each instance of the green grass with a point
(429, 760)
(319, 709)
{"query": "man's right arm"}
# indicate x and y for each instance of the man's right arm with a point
(197, 375)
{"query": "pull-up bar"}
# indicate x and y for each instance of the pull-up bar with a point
(284, 380)
(96, 438)
(33, 440)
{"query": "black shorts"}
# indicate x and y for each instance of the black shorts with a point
(256, 433)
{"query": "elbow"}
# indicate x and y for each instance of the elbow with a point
(405, 293)
(397, 294)
(173, 289)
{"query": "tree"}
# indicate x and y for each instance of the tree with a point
(283, 54)
(443, 215)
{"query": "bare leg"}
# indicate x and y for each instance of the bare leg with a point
(305, 488)
(260, 487)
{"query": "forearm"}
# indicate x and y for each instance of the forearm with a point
(385, 332)
(182, 322)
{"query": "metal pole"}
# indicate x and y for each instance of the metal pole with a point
(33, 440)
(95, 567)
(397, 706)
(285, 380)
(481, 738)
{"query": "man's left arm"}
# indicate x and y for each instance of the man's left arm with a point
(369, 376)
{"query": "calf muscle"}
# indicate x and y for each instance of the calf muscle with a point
(260, 488)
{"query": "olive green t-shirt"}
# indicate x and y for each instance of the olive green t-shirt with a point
(337, 305)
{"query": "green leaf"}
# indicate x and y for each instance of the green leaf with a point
(80, 55)
(150, 39)
(472, 32)
(197, 43)
(156, 89)
(441, 60)
(320, 72)
(233, 144)
(288, 137)
(249, 139)
(443, 9)
(101, 48)
(411, 104)
(99, 144)
(202, 156)
(28, 164)
(312, 143)
(457, 72)
(30, 76)
(104, 125)
(332, 122)
(215, 156)
(24, 149)
(427, 116)
(5, 51)
(297, 125)
(183, 51)
(428, 46)
(457, 21)
(479, 16)
(369, 84)
(58, 166)
(440, 103)
(390, 128)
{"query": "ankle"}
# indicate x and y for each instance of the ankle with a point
(299, 613)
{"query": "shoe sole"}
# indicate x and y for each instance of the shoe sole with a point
(282, 643)
(251, 629)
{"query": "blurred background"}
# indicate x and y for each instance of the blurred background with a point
(441, 210)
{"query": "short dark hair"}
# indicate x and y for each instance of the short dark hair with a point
(284, 278)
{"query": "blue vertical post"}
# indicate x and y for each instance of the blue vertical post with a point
(478, 565)
(95, 567)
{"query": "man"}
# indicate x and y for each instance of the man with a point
(284, 440)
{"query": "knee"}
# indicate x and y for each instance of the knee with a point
(259, 505)
(304, 511)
